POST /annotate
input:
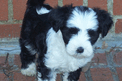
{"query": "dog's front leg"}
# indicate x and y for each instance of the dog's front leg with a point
(72, 76)
(45, 73)
(51, 76)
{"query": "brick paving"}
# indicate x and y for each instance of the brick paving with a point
(105, 67)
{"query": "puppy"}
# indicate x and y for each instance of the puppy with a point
(62, 37)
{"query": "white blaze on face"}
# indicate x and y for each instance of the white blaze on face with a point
(83, 20)
(80, 40)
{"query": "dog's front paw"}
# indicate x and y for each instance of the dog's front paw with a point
(30, 71)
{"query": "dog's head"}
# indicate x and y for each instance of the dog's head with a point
(80, 27)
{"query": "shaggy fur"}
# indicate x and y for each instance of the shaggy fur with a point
(62, 37)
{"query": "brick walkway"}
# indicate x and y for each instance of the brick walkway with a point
(106, 66)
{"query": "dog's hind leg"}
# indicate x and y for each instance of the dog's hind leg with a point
(28, 66)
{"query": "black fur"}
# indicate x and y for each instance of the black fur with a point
(33, 33)
(93, 36)
(74, 76)
(105, 21)
(59, 16)
(68, 32)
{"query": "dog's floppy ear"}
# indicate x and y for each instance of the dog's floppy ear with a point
(55, 19)
(58, 17)
(105, 21)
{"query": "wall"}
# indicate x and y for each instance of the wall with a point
(12, 11)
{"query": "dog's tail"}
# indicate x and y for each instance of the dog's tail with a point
(41, 8)
(35, 3)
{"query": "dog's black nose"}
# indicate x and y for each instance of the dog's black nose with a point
(80, 50)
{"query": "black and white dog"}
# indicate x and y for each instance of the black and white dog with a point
(62, 37)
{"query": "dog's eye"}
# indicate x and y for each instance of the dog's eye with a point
(73, 30)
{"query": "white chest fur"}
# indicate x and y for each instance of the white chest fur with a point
(57, 58)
